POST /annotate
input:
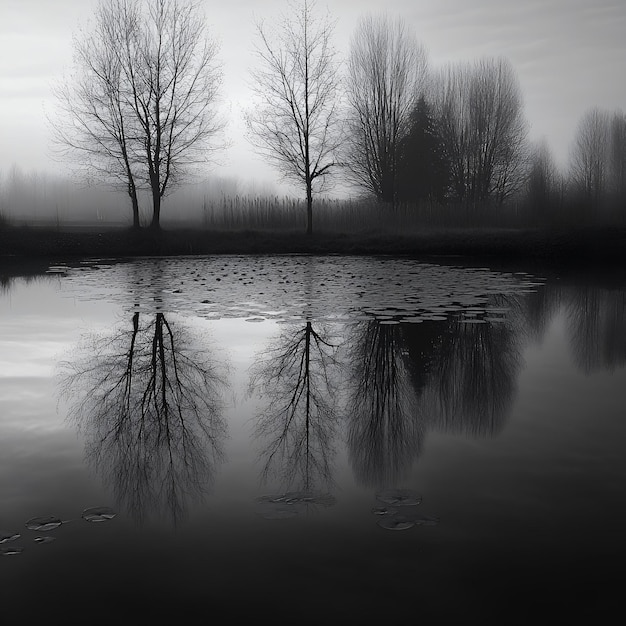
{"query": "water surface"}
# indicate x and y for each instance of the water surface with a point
(312, 440)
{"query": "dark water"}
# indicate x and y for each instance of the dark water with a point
(313, 440)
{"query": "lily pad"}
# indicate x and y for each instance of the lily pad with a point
(98, 514)
(6, 536)
(43, 523)
(46, 539)
(399, 497)
(396, 523)
(11, 550)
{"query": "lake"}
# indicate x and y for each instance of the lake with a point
(311, 440)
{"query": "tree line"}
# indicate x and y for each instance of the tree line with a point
(140, 112)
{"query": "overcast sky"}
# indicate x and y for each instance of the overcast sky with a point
(570, 55)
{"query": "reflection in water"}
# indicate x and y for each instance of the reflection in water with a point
(149, 403)
(597, 328)
(473, 377)
(455, 375)
(385, 430)
(299, 376)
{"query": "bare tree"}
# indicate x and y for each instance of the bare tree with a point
(94, 123)
(386, 73)
(294, 121)
(142, 103)
(483, 129)
(590, 156)
(543, 179)
(618, 155)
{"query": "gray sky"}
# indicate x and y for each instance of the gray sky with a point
(570, 55)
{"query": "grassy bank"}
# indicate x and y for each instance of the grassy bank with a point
(584, 246)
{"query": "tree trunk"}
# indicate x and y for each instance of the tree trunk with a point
(309, 210)
(135, 203)
(156, 209)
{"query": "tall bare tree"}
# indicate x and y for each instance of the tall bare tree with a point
(143, 97)
(294, 121)
(386, 75)
(590, 156)
(94, 123)
(483, 129)
(543, 179)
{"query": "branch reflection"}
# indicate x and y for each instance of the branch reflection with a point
(597, 327)
(474, 376)
(298, 375)
(385, 430)
(149, 403)
(457, 375)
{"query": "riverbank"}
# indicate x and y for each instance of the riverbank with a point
(572, 246)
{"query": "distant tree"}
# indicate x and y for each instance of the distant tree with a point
(542, 179)
(589, 159)
(617, 146)
(483, 130)
(294, 121)
(140, 108)
(386, 73)
(424, 173)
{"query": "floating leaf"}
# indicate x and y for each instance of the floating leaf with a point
(399, 497)
(384, 510)
(43, 523)
(427, 521)
(300, 497)
(11, 550)
(98, 514)
(396, 523)
(6, 536)
(46, 539)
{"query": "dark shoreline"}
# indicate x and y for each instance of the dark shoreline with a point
(583, 248)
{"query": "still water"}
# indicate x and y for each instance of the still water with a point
(310, 440)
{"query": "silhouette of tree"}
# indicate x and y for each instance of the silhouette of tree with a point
(149, 403)
(386, 72)
(617, 145)
(384, 431)
(294, 122)
(299, 376)
(589, 160)
(542, 180)
(140, 108)
(483, 130)
(424, 173)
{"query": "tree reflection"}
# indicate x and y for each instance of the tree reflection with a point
(456, 375)
(473, 379)
(385, 430)
(298, 375)
(149, 403)
(597, 327)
